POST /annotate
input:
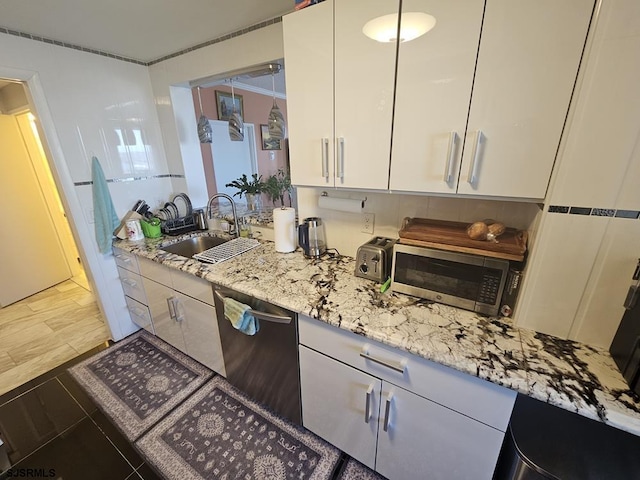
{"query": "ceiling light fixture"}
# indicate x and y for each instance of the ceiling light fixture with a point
(385, 29)
(205, 133)
(236, 125)
(275, 121)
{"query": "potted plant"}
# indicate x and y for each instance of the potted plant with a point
(250, 188)
(277, 185)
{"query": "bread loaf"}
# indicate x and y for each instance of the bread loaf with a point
(478, 231)
(497, 229)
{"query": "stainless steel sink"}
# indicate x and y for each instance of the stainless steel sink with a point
(189, 247)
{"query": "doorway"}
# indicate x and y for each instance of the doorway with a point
(48, 312)
(37, 250)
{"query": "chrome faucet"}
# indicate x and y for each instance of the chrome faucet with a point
(236, 229)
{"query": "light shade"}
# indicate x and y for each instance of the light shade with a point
(384, 29)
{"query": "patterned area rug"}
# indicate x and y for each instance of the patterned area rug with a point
(219, 433)
(139, 380)
(354, 470)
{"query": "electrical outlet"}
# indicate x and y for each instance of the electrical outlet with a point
(367, 223)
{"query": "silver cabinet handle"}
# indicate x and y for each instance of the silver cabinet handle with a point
(397, 366)
(124, 258)
(138, 312)
(367, 407)
(387, 412)
(325, 158)
(451, 152)
(177, 308)
(172, 308)
(341, 159)
(128, 281)
(268, 317)
(473, 168)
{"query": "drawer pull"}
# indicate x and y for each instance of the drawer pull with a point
(128, 281)
(123, 258)
(387, 412)
(138, 312)
(397, 366)
(367, 408)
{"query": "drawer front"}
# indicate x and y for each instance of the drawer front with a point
(479, 399)
(155, 271)
(132, 285)
(192, 286)
(126, 260)
(140, 314)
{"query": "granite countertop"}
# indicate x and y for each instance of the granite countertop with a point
(570, 375)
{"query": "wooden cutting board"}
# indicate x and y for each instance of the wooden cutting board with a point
(452, 236)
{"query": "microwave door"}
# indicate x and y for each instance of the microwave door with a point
(437, 279)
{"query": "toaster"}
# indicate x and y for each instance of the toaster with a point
(373, 260)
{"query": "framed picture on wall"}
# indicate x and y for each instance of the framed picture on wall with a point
(269, 143)
(225, 104)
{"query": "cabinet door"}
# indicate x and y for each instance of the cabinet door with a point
(433, 92)
(364, 82)
(527, 64)
(334, 404)
(200, 332)
(308, 50)
(166, 327)
(424, 439)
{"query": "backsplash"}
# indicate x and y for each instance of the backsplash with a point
(343, 229)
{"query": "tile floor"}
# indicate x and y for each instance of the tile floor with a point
(52, 429)
(47, 329)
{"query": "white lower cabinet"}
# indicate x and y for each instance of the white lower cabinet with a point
(183, 313)
(399, 414)
(421, 439)
(334, 404)
(162, 306)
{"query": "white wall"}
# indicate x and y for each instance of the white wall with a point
(81, 99)
(582, 269)
(344, 231)
(179, 124)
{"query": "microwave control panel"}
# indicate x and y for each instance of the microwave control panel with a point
(490, 286)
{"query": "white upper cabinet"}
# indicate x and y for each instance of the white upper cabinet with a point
(435, 78)
(527, 65)
(339, 94)
(364, 78)
(480, 99)
(308, 51)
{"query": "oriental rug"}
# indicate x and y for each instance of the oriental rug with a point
(138, 380)
(219, 433)
(354, 470)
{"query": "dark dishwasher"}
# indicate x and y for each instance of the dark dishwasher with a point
(265, 365)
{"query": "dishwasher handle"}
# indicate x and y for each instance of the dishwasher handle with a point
(267, 317)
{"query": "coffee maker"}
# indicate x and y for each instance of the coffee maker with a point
(311, 237)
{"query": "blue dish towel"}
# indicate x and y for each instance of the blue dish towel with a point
(238, 314)
(104, 215)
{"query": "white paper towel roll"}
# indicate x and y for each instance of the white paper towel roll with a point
(284, 229)
(341, 204)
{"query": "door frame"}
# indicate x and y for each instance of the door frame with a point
(66, 189)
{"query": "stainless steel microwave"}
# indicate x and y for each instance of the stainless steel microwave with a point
(472, 282)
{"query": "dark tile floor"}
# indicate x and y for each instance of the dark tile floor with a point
(52, 429)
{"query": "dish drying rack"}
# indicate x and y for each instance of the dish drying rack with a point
(227, 250)
(179, 225)
(173, 223)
